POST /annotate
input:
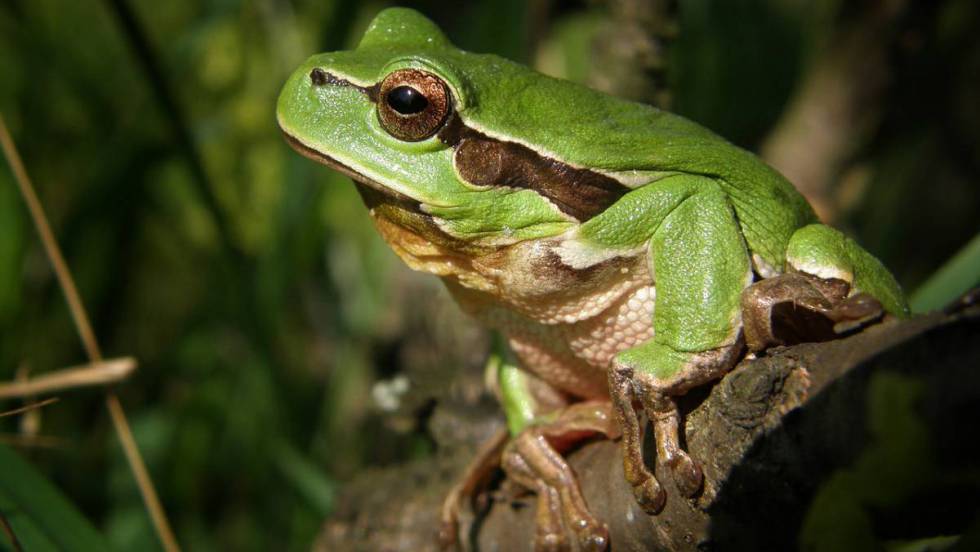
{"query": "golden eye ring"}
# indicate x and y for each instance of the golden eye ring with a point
(412, 104)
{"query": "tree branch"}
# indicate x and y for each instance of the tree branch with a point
(772, 436)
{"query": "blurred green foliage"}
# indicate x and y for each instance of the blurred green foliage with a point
(37, 514)
(248, 281)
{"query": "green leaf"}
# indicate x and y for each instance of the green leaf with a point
(959, 274)
(40, 516)
(307, 479)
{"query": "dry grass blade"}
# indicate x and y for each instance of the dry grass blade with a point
(9, 532)
(104, 372)
(29, 407)
(67, 283)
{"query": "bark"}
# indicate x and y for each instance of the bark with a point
(774, 437)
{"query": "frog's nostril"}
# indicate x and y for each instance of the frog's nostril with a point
(318, 76)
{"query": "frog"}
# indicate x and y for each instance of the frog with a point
(624, 254)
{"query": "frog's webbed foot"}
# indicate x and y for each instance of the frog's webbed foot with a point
(631, 388)
(533, 459)
(797, 307)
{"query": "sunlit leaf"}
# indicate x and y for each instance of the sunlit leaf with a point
(957, 276)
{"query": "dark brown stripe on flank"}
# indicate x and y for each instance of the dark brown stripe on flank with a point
(485, 161)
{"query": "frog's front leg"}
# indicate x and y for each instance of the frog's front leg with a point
(701, 265)
(541, 426)
(533, 459)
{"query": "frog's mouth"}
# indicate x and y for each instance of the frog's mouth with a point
(390, 205)
(387, 194)
(394, 207)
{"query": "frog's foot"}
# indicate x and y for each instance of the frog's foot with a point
(797, 307)
(533, 459)
(630, 387)
(486, 461)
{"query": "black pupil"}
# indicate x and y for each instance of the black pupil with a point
(407, 100)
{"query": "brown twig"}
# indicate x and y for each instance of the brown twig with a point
(96, 373)
(29, 407)
(50, 245)
(65, 280)
(9, 532)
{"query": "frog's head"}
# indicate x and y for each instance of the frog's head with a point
(399, 115)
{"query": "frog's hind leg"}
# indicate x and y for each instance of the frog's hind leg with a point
(831, 286)
(824, 252)
(629, 386)
(701, 266)
(796, 307)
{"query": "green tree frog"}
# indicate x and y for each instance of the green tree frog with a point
(625, 254)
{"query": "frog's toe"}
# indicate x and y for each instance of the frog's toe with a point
(562, 518)
(855, 312)
(650, 495)
(798, 307)
(549, 535)
(687, 474)
(448, 534)
(594, 539)
(550, 542)
(591, 535)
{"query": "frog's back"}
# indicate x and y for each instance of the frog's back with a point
(576, 125)
(623, 139)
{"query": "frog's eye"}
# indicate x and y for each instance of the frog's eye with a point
(412, 104)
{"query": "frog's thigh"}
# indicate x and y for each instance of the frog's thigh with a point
(822, 251)
(701, 265)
